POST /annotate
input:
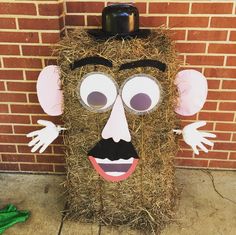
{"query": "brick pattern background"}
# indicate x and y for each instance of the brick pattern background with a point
(205, 35)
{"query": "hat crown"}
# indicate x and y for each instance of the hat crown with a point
(121, 19)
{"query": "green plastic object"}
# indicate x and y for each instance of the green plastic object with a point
(9, 216)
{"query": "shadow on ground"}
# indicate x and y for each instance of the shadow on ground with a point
(207, 205)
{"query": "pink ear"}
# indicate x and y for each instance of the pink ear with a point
(192, 86)
(49, 90)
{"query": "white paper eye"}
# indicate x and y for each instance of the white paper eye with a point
(141, 93)
(97, 91)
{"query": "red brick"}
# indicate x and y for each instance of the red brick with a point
(37, 50)
(7, 23)
(17, 158)
(22, 63)
(24, 129)
(50, 37)
(32, 75)
(50, 159)
(177, 34)
(231, 60)
(25, 37)
(18, 9)
(234, 137)
(84, 7)
(27, 149)
(43, 24)
(4, 108)
(233, 36)
(223, 164)
(33, 98)
(21, 119)
(204, 35)
(220, 72)
(11, 97)
(50, 62)
(7, 148)
(94, 20)
(59, 149)
(191, 47)
(232, 156)
(222, 136)
(55, 119)
(21, 86)
(142, 7)
(229, 84)
(15, 108)
(222, 48)
(152, 21)
(5, 129)
(184, 154)
(213, 84)
(223, 22)
(212, 8)
(227, 106)
(74, 20)
(60, 168)
(9, 167)
(9, 50)
(11, 75)
(210, 106)
(13, 139)
(205, 60)
(169, 8)
(216, 116)
(225, 146)
(36, 167)
(225, 127)
(191, 22)
(212, 155)
(51, 9)
(191, 162)
(2, 86)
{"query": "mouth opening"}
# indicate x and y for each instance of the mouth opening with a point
(114, 170)
(113, 161)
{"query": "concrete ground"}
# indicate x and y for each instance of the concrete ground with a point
(207, 205)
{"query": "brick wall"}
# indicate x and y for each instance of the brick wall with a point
(205, 33)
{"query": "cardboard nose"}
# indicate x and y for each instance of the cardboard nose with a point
(117, 126)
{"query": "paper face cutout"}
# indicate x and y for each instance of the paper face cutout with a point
(97, 91)
(192, 86)
(141, 93)
(49, 91)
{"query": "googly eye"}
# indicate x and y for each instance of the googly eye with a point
(97, 91)
(141, 93)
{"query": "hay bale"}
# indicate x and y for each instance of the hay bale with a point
(145, 200)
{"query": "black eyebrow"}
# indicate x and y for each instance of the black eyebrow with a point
(90, 60)
(144, 63)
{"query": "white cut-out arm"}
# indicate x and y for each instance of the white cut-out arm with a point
(195, 138)
(44, 137)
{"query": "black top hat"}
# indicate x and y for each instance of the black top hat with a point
(120, 21)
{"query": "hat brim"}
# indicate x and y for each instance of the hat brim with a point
(99, 34)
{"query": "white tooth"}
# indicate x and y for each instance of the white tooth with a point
(120, 161)
(115, 173)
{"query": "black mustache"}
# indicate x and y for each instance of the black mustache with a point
(112, 150)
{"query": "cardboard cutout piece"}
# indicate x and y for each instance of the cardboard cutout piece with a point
(192, 86)
(49, 91)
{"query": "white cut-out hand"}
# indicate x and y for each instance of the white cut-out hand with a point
(196, 138)
(44, 137)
